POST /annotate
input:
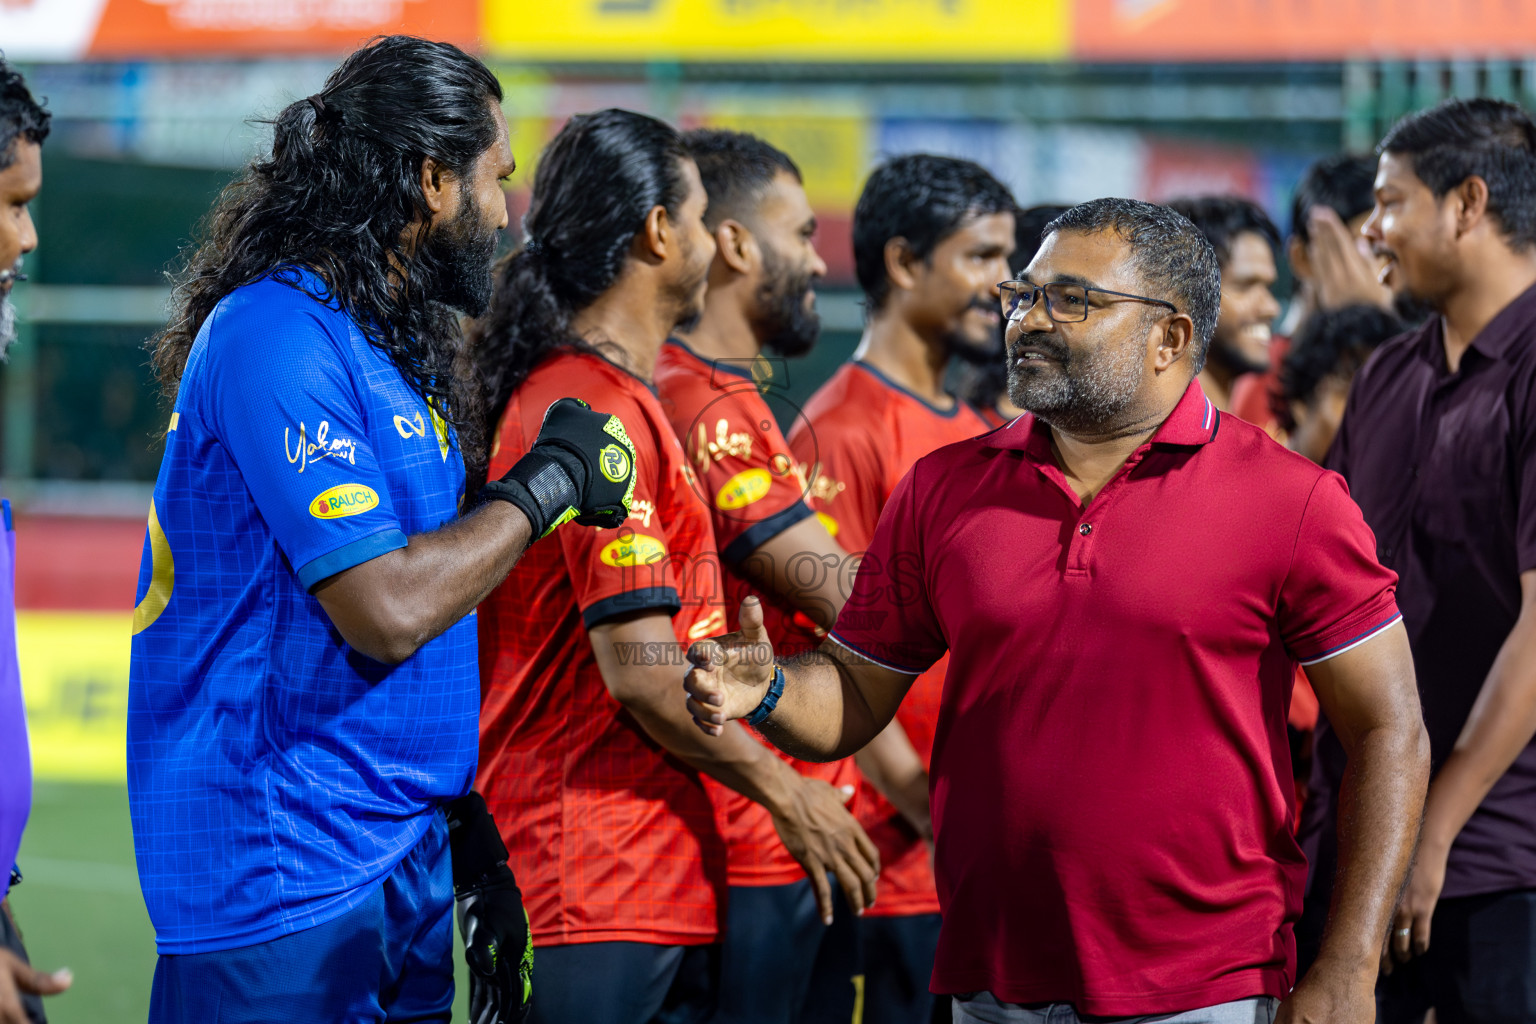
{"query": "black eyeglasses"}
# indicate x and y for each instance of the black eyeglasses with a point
(1064, 303)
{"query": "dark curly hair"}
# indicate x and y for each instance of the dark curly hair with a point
(736, 168)
(596, 183)
(1329, 343)
(1222, 218)
(21, 116)
(1343, 182)
(924, 199)
(337, 195)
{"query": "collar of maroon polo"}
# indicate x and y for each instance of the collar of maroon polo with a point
(1193, 422)
(1510, 325)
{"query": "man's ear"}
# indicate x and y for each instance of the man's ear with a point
(1471, 199)
(437, 182)
(901, 264)
(737, 247)
(656, 236)
(1175, 343)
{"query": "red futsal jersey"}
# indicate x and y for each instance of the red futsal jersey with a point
(860, 434)
(1112, 791)
(611, 838)
(755, 492)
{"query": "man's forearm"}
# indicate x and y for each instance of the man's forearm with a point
(453, 569)
(1379, 811)
(1500, 726)
(823, 715)
(734, 760)
(389, 606)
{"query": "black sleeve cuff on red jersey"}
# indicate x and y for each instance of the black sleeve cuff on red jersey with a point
(660, 599)
(738, 550)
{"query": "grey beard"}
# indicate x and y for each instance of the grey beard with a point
(7, 327)
(1080, 397)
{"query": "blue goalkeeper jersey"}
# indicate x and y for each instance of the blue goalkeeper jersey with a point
(275, 775)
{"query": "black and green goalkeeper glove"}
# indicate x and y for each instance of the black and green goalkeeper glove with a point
(581, 467)
(498, 945)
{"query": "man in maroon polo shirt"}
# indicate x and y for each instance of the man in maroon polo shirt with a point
(1438, 444)
(1125, 581)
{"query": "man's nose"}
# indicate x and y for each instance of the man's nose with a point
(1035, 318)
(818, 265)
(1271, 306)
(1371, 229)
(27, 233)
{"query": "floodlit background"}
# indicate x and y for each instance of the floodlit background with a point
(156, 103)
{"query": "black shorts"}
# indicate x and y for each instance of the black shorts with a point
(624, 983)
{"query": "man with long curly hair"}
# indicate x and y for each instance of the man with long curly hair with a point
(303, 692)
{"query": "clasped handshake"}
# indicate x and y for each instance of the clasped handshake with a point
(582, 468)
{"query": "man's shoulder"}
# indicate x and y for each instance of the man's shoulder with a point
(577, 373)
(850, 408)
(679, 367)
(277, 300)
(1398, 355)
(1263, 472)
(274, 321)
(688, 384)
(849, 384)
(589, 377)
(951, 463)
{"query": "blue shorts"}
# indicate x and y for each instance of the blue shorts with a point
(388, 959)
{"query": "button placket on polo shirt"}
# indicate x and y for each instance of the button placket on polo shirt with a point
(1090, 519)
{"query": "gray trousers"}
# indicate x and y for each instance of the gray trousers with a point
(983, 1008)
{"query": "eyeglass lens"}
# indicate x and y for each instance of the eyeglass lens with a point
(1064, 303)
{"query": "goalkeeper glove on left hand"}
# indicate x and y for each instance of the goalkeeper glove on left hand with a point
(498, 945)
(581, 467)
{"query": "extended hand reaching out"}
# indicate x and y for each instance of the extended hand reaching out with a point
(730, 673)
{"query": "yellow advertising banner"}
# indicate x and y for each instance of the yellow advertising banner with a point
(810, 30)
(74, 676)
(832, 147)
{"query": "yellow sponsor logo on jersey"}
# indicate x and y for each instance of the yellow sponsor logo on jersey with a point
(635, 549)
(744, 488)
(343, 500)
(828, 522)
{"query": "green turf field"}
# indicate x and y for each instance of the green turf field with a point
(80, 905)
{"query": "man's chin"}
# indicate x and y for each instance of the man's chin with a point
(688, 320)
(973, 351)
(7, 326)
(1242, 357)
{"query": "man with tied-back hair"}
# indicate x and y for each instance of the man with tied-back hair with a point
(303, 692)
(587, 755)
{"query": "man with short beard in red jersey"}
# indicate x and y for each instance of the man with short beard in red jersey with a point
(931, 240)
(715, 381)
